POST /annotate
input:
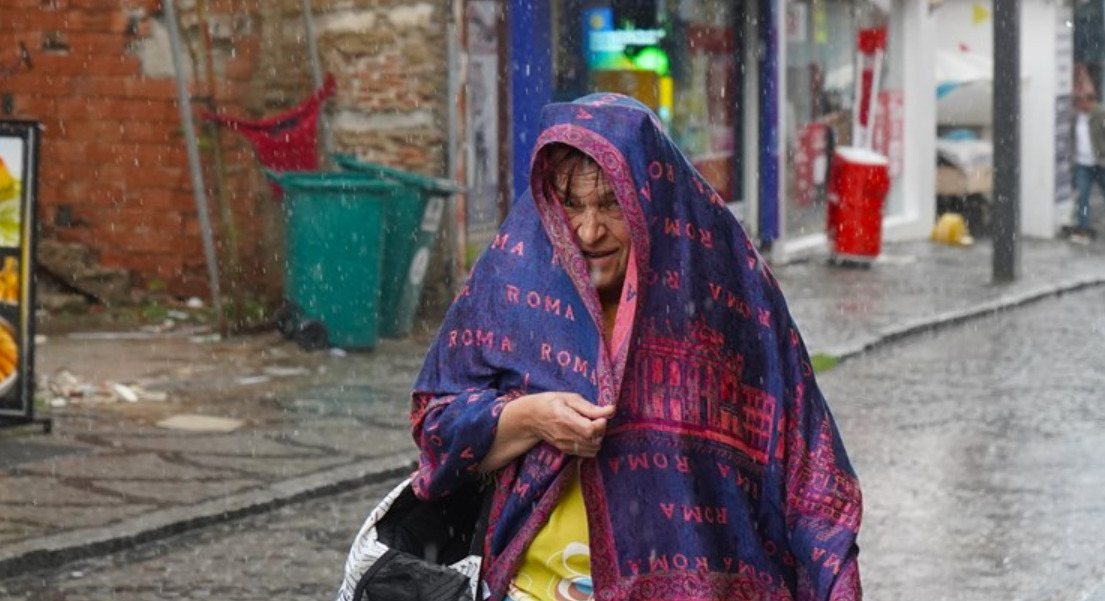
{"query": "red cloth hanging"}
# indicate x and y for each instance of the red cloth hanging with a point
(288, 141)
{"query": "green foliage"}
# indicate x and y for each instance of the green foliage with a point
(247, 313)
(471, 253)
(823, 362)
(154, 312)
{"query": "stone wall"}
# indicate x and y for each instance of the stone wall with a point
(389, 58)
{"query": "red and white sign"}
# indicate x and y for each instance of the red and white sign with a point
(870, 48)
(810, 162)
(890, 130)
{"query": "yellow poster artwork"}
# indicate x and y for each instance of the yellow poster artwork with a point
(10, 194)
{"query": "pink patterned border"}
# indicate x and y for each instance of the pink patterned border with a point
(612, 365)
(502, 568)
(556, 224)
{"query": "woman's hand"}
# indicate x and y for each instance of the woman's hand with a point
(568, 422)
(565, 420)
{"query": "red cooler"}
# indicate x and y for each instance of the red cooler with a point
(858, 183)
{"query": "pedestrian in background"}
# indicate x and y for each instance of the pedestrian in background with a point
(622, 362)
(1089, 161)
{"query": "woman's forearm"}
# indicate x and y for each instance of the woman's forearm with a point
(513, 437)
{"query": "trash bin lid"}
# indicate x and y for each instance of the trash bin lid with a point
(862, 156)
(425, 183)
(331, 181)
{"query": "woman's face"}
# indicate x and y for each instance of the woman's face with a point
(598, 223)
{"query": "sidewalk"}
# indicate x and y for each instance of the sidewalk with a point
(108, 476)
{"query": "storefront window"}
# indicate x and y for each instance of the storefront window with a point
(678, 58)
(822, 99)
(1089, 39)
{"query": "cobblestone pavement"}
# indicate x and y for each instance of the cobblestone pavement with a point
(108, 476)
(977, 448)
(844, 311)
(291, 554)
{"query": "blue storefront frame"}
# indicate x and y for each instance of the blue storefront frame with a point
(531, 81)
(531, 88)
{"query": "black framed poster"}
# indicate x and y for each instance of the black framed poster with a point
(18, 190)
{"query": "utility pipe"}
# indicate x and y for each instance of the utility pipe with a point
(183, 101)
(316, 74)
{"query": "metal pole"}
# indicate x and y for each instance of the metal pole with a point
(1006, 215)
(316, 74)
(194, 164)
(226, 216)
(457, 202)
(312, 44)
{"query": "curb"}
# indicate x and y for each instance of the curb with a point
(951, 318)
(54, 550)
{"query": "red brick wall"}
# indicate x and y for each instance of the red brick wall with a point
(113, 153)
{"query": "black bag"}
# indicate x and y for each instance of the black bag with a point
(409, 549)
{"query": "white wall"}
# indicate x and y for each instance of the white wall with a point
(917, 30)
(1038, 119)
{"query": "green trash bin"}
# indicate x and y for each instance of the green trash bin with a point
(410, 232)
(334, 242)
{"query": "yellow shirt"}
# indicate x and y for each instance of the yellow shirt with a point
(557, 564)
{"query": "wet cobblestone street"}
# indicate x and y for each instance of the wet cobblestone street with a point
(979, 454)
(294, 553)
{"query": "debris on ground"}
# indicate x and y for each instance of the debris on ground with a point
(285, 372)
(200, 423)
(64, 388)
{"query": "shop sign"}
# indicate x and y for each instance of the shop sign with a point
(18, 189)
(797, 17)
(617, 41)
(820, 23)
